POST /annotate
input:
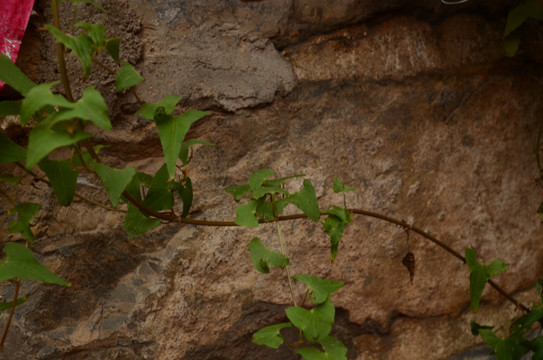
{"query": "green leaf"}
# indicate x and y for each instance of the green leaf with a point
(166, 106)
(340, 187)
(96, 32)
(245, 214)
(81, 46)
(306, 200)
(526, 321)
(112, 46)
(315, 323)
(238, 191)
(10, 179)
(63, 179)
(90, 107)
(9, 151)
(270, 336)
(334, 225)
(9, 107)
(475, 327)
(264, 208)
(43, 140)
(115, 181)
(159, 197)
(320, 288)
(20, 263)
(127, 77)
(25, 213)
(136, 223)
(511, 43)
(8, 305)
(13, 76)
(184, 152)
(172, 131)
(40, 97)
(269, 188)
(479, 275)
(257, 178)
(511, 348)
(185, 192)
(536, 345)
(333, 350)
(263, 258)
(524, 10)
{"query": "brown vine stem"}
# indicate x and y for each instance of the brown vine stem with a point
(60, 54)
(12, 311)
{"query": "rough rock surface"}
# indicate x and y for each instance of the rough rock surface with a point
(416, 107)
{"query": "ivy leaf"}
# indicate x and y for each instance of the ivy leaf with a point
(511, 43)
(306, 200)
(245, 214)
(43, 140)
(9, 151)
(115, 181)
(8, 305)
(238, 191)
(320, 288)
(112, 47)
(10, 179)
(20, 263)
(264, 208)
(172, 131)
(96, 32)
(536, 345)
(315, 323)
(184, 152)
(81, 46)
(63, 179)
(526, 321)
(9, 107)
(136, 223)
(159, 197)
(127, 77)
(91, 106)
(479, 275)
(185, 192)
(504, 349)
(270, 336)
(257, 178)
(269, 188)
(524, 10)
(39, 97)
(333, 350)
(340, 187)
(166, 106)
(263, 258)
(13, 76)
(25, 213)
(334, 225)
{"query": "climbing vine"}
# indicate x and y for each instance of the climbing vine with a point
(55, 120)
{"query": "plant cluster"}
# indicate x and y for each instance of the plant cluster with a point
(56, 120)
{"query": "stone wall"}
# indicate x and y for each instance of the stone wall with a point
(412, 103)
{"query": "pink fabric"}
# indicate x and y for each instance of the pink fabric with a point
(14, 15)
